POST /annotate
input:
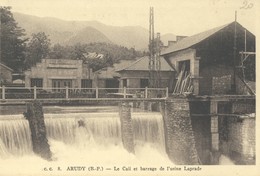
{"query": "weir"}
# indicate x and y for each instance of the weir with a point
(100, 128)
(194, 130)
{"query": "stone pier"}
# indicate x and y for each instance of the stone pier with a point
(215, 154)
(126, 127)
(35, 117)
(179, 137)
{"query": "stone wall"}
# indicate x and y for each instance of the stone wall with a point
(237, 131)
(221, 85)
(243, 107)
(240, 142)
(206, 80)
(179, 136)
(126, 127)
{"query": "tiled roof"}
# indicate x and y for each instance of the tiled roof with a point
(192, 40)
(110, 72)
(8, 68)
(143, 63)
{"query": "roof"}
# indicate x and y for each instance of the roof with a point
(192, 40)
(110, 72)
(142, 64)
(93, 55)
(8, 68)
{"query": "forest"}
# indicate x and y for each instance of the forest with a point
(20, 52)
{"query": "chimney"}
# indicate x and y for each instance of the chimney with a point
(180, 37)
(171, 42)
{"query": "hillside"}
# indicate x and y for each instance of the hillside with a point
(87, 35)
(65, 32)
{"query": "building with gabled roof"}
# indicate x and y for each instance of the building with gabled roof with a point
(136, 73)
(108, 77)
(210, 57)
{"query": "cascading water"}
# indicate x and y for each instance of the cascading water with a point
(104, 129)
(15, 136)
(148, 127)
(96, 140)
(99, 128)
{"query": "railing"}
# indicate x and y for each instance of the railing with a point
(29, 93)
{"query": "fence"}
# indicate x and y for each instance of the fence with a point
(28, 93)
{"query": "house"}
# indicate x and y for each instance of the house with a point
(210, 59)
(5, 74)
(59, 73)
(136, 73)
(108, 77)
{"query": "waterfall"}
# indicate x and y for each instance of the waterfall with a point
(99, 128)
(103, 128)
(15, 136)
(148, 127)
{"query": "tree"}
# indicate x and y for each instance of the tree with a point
(59, 52)
(12, 40)
(38, 48)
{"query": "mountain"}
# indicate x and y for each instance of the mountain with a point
(71, 32)
(88, 35)
(64, 32)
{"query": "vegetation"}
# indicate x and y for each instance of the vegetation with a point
(111, 53)
(12, 41)
(38, 48)
(20, 53)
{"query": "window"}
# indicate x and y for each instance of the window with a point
(124, 82)
(184, 65)
(144, 83)
(112, 83)
(59, 84)
(86, 83)
(38, 82)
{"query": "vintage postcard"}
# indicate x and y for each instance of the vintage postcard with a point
(117, 87)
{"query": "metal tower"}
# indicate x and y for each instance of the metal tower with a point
(151, 49)
(154, 54)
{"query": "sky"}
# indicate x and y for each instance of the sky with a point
(180, 17)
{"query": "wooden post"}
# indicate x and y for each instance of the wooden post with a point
(3, 92)
(34, 92)
(67, 92)
(167, 92)
(124, 92)
(126, 127)
(96, 92)
(35, 117)
(146, 92)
